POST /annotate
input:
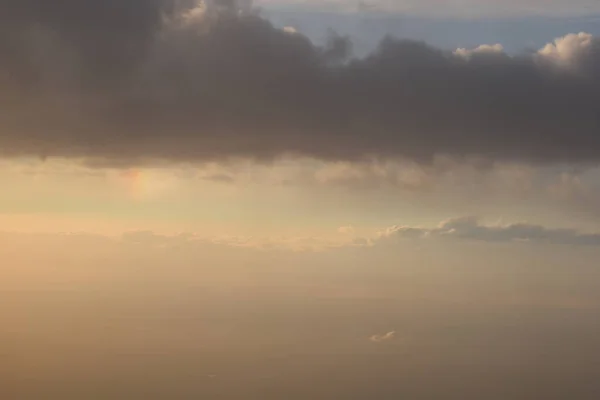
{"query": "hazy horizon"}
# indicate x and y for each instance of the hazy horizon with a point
(299, 200)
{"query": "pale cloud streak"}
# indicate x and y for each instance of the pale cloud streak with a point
(379, 338)
(463, 229)
(471, 228)
(260, 243)
(346, 230)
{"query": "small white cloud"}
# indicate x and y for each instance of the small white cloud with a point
(483, 49)
(383, 338)
(346, 230)
(403, 232)
(290, 29)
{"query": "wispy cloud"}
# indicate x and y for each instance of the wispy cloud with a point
(346, 230)
(263, 243)
(383, 337)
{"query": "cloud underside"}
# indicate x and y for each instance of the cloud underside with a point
(135, 80)
(470, 228)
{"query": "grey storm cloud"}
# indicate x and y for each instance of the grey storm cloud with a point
(470, 228)
(131, 80)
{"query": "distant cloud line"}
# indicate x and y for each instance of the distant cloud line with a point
(470, 228)
(463, 229)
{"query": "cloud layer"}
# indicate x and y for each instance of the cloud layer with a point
(462, 228)
(157, 80)
(470, 228)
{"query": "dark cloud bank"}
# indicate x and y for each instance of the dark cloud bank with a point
(148, 79)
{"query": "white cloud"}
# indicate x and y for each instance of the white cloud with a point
(568, 50)
(290, 29)
(403, 232)
(383, 337)
(346, 230)
(483, 49)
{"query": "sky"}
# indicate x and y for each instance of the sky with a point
(444, 9)
(299, 200)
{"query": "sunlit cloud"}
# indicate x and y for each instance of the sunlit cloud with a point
(383, 337)
(346, 230)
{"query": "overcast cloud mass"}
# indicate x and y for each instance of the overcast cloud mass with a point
(132, 80)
